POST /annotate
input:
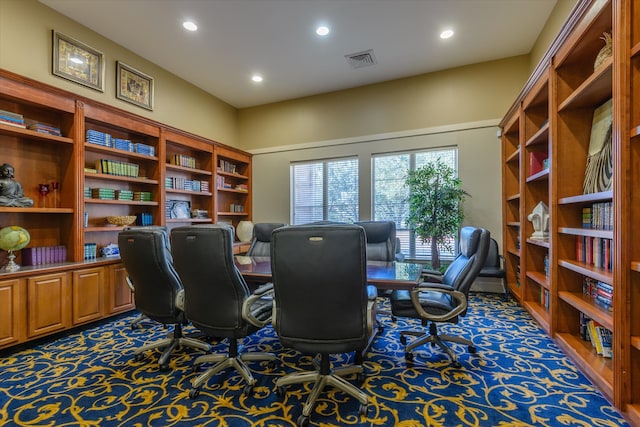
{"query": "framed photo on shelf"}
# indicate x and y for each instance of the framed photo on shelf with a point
(78, 62)
(179, 209)
(134, 86)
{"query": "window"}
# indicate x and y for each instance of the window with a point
(390, 195)
(325, 190)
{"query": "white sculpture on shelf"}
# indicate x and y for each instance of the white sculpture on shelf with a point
(540, 220)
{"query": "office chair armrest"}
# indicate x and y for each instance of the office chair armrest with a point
(433, 276)
(263, 289)
(459, 296)
(429, 286)
(263, 294)
(130, 284)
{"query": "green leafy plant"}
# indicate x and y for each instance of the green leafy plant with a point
(435, 205)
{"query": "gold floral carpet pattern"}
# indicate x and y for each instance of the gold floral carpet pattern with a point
(517, 378)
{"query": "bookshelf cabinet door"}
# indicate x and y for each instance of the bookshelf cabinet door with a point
(88, 291)
(120, 295)
(12, 312)
(49, 304)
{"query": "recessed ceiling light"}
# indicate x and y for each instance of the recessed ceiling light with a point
(190, 25)
(256, 78)
(446, 34)
(322, 30)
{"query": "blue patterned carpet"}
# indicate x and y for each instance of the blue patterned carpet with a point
(517, 378)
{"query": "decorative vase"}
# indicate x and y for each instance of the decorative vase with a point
(244, 231)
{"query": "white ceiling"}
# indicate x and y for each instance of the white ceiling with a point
(277, 39)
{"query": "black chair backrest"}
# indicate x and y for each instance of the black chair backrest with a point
(493, 255)
(320, 284)
(474, 245)
(146, 255)
(214, 288)
(261, 241)
(381, 239)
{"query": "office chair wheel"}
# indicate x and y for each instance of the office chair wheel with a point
(360, 378)
(380, 329)
(138, 357)
(164, 367)
(457, 365)
(193, 393)
(280, 391)
(195, 368)
(246, 391)
(303, 421)
(472, 349)
(271, 364)
(362, 410)
(408, 356)
(403, 340)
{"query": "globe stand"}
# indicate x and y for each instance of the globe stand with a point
(12, 265)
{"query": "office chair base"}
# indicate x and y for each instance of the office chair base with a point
(323, 378)
(222, 362)
(168, 345)
(434, 339)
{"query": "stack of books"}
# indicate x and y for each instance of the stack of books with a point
(99, 138)
(42, 127)
(600, 337)
(142, 196)
(87, 192)
(124, 195)
(141, 148)
(103, 193)
(226, 166)
(12, 119)
(122, 144)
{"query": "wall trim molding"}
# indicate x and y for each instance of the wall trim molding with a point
(378, 137)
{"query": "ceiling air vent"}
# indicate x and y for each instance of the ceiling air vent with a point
(361, 59)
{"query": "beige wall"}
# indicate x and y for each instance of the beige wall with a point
(466, 94)
(551, 29)
(25, 48)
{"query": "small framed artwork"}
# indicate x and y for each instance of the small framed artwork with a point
(75, 61)
(134, 86)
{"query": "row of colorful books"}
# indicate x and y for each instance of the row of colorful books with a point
(234, 207)
(114, 194)
(545, 298)
(596, 251)
(180, 183)
(117, 168)
(182, 160)
(601, 292)
(598, 216)
(44, 255)
(600, 337)
(226, 166)
(104, 139)
(144, 218)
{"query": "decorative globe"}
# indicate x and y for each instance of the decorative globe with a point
(13, 238)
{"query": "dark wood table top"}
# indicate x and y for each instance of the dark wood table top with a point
(386, 275)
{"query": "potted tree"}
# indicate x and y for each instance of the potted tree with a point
(435, 205)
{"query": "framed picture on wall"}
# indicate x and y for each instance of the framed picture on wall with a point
(78, 62)
(134, 86)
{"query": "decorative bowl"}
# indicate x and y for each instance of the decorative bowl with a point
(121, 220)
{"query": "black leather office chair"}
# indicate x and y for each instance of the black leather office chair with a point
(382, 245)
(261, 240)
(444, 298)
(495, 267)
(217, 299)
(158, 291)
(321, 305)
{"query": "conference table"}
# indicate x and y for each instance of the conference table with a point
(383, 275)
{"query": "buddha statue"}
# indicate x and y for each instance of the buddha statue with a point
(11, 193)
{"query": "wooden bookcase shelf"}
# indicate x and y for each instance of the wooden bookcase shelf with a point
(138, 156)
(554, 113)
